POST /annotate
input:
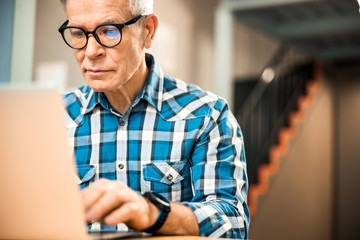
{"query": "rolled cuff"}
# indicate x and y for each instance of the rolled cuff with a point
(219, 219)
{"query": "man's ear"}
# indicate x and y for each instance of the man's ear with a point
(151, 24)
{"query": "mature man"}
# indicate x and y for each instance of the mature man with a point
(153, 153)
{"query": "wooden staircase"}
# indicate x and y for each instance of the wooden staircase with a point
(285, 135)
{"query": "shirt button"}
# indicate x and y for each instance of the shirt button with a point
(169, 177)
(122, 123)
(121, 166)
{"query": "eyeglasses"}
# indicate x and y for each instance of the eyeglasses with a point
(107, 35)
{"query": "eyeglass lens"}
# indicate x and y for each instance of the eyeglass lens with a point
(107, 35)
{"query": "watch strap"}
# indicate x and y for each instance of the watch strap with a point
(156, 199)
(159, 222)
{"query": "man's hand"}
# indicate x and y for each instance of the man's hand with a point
(112, 202)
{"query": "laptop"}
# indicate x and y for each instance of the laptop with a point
(39, 194)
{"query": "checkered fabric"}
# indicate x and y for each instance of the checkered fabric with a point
(175, 139)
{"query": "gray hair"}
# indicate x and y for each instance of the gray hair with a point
(137, 7)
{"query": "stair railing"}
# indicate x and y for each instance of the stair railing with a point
(267, 108)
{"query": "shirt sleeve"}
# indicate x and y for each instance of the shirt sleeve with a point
(219, 177)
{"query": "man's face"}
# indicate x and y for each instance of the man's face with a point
(106, 69)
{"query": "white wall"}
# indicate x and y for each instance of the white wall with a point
(252, 51)
(50, 49)
(22, 41)
(192, 22)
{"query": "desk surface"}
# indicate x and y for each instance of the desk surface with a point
(174, 238)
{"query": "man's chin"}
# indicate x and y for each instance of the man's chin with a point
(98, 85)
(100, 89)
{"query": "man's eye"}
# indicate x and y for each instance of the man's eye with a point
(77, 33)
(110, 32)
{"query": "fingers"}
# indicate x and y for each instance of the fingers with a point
(125, 213)
(113, 202)
(91, 194)
(107, 202)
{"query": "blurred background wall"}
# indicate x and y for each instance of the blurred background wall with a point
(6, 15)
(314, 193)
(184, 44)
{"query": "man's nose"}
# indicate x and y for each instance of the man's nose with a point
(93, 48)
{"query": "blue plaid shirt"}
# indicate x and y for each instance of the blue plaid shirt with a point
(175, 139)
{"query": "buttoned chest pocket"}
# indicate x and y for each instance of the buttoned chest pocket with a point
(85, 175)
(171, 179)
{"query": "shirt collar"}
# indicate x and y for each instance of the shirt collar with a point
(92, 100)
(151, 92)
(155, 85)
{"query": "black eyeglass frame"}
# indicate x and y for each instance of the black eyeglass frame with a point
(64, 26)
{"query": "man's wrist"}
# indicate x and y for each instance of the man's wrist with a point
(163, 206)
(153, 212)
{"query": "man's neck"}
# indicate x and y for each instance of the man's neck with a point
(123, 97)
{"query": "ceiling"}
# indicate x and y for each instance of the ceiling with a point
(325, 29)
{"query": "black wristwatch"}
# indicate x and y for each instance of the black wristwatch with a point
(163, 205)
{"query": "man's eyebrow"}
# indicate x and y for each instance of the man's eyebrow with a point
(73, 24)
(112, 21)
(106, 21)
